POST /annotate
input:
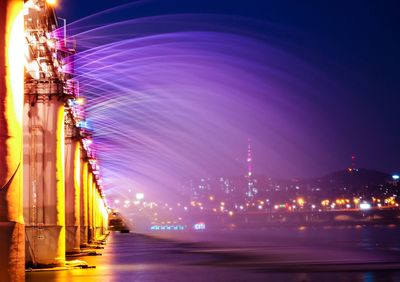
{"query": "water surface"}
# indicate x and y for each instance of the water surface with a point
(357, 253)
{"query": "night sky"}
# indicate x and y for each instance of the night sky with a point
(353, 44)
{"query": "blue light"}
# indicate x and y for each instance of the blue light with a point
(85, 125)
(168, 227)
(395, 177)
(199, 226)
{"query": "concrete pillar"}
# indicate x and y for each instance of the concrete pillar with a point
(44, 193)
(104, 223)
(106, 218)
(84, 202)
(72, 186)
(98, 213)
(100, 217)
(12, 260)
(94, 211)
(90, 207)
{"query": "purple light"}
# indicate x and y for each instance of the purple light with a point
(181, 103)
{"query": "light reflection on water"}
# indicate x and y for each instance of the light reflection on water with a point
(274, 254)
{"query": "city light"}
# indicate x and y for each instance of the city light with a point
(395, 177)
(325, 203)
(199, 226)
(300, 201)
(365, 206)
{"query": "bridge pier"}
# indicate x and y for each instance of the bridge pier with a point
(84, 202)
(72, 186)
(44, 195)
(90, 207)
(46, 91)
(95, 212)
(12, 260)
(98, 215)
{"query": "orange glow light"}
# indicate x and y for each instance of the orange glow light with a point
(51, 2)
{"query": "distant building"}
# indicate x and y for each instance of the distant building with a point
(251, 189)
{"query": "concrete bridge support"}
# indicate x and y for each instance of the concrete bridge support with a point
(12, 260)
(94, 207)
(98, 215)
(72, 186)
(84, 229)
(90, 207)
(95, 212)
(104, 223)
(44, 193)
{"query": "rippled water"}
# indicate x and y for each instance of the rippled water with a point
(275, 254)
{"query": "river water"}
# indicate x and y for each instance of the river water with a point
(353, 253)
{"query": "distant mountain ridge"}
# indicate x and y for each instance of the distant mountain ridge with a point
(356, 177)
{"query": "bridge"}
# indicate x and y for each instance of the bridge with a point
(51, 199)
(315, 218)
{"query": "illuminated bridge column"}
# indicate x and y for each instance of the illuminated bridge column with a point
(102, 215)
(12, 260)
(105, 217)
(90, 206)
(99, 214)
(72, 186)
(95, 212)
(93, 209)
(44, 194)
(84, 201)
